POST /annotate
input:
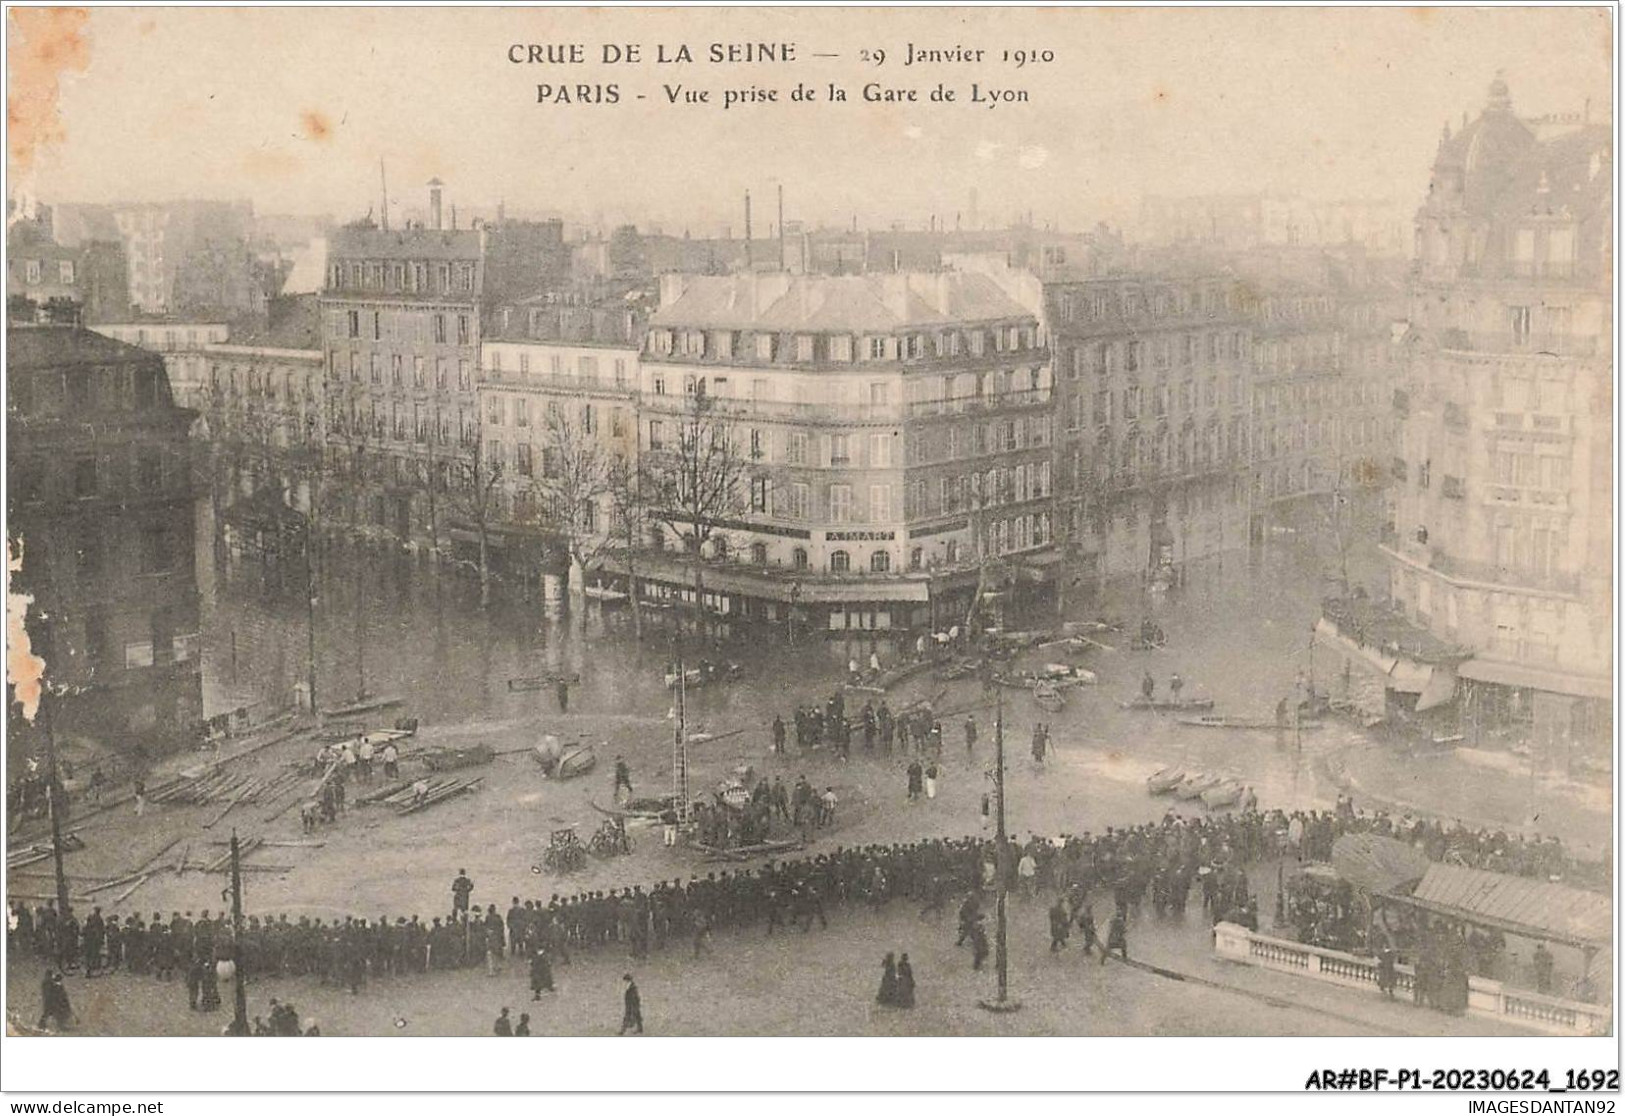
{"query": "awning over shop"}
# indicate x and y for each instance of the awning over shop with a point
(1529, 908)
(1516, 674)
(1440, 688)
(1408, 677)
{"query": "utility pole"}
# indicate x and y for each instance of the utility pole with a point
(310, 614)
(239, 1022)
(679, 749)
(1001, 953)
(53, 792)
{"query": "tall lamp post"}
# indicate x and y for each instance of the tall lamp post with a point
(1001, 954)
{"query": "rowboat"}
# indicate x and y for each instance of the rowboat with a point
(603, 593)
(1194, 785)
(1219, 720)
(1049, 698)
(1164, 781)
(360, 706)
(578, 759)
(1166, 705)
(1227, 793)
(1067, 673)
(560, 761)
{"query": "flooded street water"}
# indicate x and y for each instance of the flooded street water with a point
(1238, 627)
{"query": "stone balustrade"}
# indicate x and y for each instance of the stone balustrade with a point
(1488, 998)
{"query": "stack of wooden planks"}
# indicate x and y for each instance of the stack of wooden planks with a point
(406, 801)
(222, 786)
(33, 854)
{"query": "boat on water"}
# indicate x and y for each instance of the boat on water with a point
(1164, 781)
(1166, 705)
(1193, 786)
(1219, 720)
(360, 706)
(1049, 698)
(603, 593)
(1068, 673)
(1227, 793)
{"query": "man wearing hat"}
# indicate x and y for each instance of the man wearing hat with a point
(633, 1015)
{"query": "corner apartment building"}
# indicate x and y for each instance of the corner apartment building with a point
(101, 515)
(1152, 416)
(1503, 506)
(898, 429)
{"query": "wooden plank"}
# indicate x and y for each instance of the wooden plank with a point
(226, 809)
(127, 892)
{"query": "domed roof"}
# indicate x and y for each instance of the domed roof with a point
(1486, 152)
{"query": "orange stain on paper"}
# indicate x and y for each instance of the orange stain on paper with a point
(24, 669)
(44, 44)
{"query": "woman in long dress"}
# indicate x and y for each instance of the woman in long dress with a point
(905, 983)
(888, 983)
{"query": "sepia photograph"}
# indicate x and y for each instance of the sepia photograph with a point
(812, 522)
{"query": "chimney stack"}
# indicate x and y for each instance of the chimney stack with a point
(749, 263)
(781, 226)
(434, 202)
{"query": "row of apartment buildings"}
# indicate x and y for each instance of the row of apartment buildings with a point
(901, 431)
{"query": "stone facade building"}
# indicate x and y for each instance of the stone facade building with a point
(101, 507)
(1503, 506)
(1152, 384)
(898, 433)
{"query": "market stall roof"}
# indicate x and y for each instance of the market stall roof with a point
(1377, 864)
(1528, 908)
(1517, 674)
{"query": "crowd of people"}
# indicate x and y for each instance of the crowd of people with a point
(1166, 863)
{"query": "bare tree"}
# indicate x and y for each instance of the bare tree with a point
(575, 479)
(628, 524)
(695, 483)
(476, 473)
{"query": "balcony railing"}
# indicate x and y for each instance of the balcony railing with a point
(967, 404)
(1508, 343)
(1464, 569)
(773, 408)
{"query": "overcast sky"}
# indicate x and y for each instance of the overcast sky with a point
(292, 108)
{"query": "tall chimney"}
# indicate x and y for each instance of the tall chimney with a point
(434, 202)
(749, 263)
(781, 226)
(383, 184)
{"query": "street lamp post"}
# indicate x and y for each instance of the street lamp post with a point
(1001, 954)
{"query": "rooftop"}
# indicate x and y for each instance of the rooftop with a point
(359, 242)
(53, 346)
(859, 303)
